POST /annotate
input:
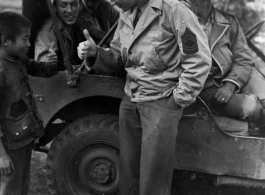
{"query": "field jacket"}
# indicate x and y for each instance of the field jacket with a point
(167, 52)
(47, 35)
(229, 50)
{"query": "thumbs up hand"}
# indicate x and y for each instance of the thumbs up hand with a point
(52, 59)
(52, 56)
(87, 48)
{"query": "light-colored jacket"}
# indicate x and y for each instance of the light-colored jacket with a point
(47, 35)
(229, 50)
(166, 52)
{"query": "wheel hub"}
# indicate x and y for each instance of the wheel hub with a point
(101, 173)
(97, 169)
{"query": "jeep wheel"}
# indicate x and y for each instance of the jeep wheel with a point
(83, 159)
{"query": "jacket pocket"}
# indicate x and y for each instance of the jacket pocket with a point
(19, 129)
(152, 61)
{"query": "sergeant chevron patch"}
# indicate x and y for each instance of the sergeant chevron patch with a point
(189, 42)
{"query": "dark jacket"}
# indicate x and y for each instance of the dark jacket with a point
(20, 123)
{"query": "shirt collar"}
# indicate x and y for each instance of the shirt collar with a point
(128, 16)
(210, 19)
(7, 58)
(152, 3)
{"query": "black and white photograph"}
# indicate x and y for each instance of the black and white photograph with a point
(132, 97)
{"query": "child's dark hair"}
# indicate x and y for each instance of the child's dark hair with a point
(11, 24)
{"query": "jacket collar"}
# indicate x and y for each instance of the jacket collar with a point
(220, 26)
(128, 16)
(8, 58)
(218, 17)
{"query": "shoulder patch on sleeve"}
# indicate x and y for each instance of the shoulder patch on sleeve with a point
(189, 42)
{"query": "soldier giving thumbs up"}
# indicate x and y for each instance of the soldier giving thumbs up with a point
(87, 48)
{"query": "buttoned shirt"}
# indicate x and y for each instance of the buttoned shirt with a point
(207, 28)
(157, 61)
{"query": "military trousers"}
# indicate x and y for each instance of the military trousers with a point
(148, 133)
(17, 183)
(256, 85)
(248, 104)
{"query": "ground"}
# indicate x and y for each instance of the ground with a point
(38, 184)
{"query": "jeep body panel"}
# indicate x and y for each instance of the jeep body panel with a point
(53, 94)
(203, 147)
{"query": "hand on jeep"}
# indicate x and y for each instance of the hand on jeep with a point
(6, 164)
(52, 56)
(224, 93)
(87, 48)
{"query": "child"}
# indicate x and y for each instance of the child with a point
(20, 123)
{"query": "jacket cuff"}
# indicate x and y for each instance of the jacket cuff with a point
(232, 81)
(183, 100)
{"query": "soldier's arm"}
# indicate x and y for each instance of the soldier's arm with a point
(196, 55)
(105, 59)
(241, 59)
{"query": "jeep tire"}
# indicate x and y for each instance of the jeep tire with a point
(83, 158)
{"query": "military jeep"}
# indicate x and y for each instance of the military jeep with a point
(80, 116)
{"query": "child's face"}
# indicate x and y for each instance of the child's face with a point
(20, 46)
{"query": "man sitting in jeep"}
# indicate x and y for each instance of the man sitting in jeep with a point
(67, 12)
(231, 89)
(72, 21)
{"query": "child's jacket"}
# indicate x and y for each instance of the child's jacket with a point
(20, 123)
